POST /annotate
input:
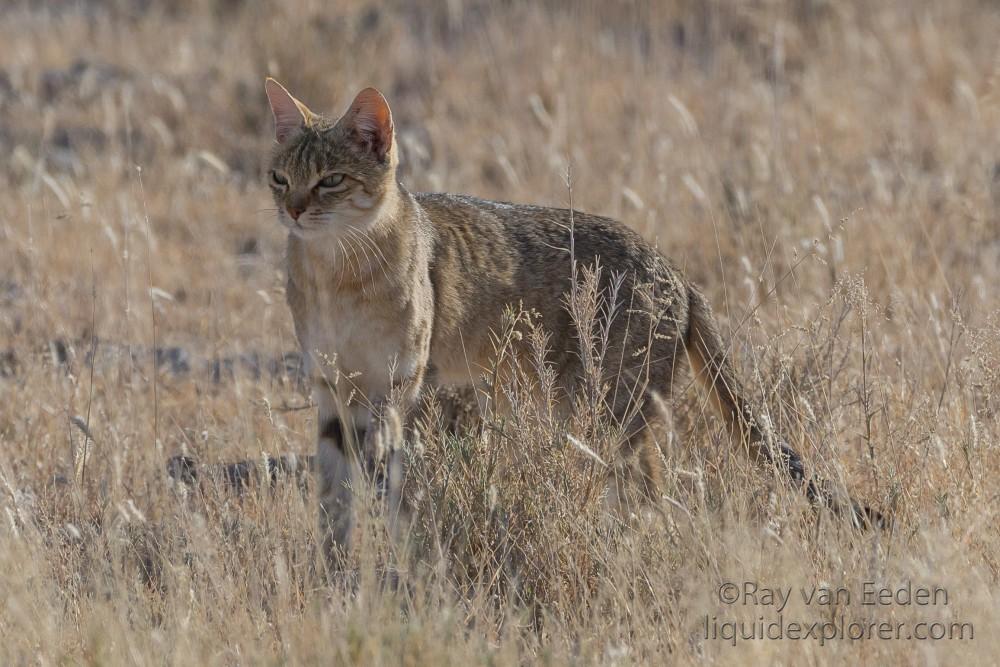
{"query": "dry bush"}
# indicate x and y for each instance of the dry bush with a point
(828, 172)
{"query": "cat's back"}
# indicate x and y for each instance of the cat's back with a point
(532, 238)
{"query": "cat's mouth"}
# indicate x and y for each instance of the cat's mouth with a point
(303, 223)
(307, 228)
(323, 223)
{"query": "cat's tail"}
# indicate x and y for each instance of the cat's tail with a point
(713, 369)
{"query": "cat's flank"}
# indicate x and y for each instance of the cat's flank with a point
(393, 292)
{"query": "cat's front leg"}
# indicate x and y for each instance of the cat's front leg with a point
(339, 445)
(357, 453)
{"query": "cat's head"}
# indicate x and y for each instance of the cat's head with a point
(328, 176)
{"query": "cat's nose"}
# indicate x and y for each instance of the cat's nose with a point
(295, 211)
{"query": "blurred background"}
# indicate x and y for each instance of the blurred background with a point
(774, 149)
(737, 135)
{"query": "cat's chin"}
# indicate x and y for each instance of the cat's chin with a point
(313, 233)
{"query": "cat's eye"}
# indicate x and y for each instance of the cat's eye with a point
(331, 181)
(278, 180)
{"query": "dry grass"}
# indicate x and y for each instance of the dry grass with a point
(835, 164)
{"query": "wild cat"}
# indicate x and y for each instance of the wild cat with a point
(394, 292)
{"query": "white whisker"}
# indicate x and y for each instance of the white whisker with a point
(344, 268)
(367, 241)
(371, 271)
(357, 264)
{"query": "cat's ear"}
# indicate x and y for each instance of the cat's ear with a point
(370, 121)
(289, 114)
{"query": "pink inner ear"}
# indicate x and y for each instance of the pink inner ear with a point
(372, 122)
(287, 116)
